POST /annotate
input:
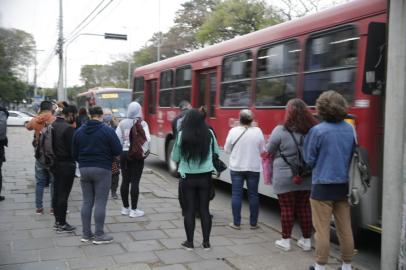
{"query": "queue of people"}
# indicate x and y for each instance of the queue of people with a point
(311, 160)
(310, 182)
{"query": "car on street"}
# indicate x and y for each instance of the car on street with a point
(17, 118)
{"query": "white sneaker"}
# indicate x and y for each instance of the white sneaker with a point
(305, 244)
(125, 211)
(136, 213)
(283, 244)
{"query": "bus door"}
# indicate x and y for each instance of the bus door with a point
(206, 93)
(151, 104)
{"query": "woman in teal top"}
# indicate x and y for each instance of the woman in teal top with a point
(193, 152)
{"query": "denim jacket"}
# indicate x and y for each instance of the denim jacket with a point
(328, 149)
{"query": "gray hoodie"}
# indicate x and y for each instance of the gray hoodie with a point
(134, 113)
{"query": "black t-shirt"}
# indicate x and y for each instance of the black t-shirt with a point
(329, 192)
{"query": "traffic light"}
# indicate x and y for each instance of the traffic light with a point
(115, 36)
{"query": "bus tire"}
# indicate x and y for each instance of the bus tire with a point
(170, 164)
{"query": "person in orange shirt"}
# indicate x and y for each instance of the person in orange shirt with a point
(42, 174)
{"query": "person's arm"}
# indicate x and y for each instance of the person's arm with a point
(146, 130)
(116, 147)
(228, 144)
(274, 140)
(261, 142)
(68, 139)
(75, 150)
(215, 144)
(175, 155)
(119, 134)
(311, 148)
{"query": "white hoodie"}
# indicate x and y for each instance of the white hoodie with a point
(134, 113)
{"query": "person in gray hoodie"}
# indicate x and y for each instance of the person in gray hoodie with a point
(131, 169)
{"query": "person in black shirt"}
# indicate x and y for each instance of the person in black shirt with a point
(64, 166)
(3, 141)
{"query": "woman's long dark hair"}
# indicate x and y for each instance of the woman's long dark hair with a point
(196, 137)
(298, 118)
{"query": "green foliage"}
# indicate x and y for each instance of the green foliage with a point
(16, 53)
(234, 18)
(114, 75)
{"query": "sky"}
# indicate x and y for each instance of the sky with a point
(138, 19)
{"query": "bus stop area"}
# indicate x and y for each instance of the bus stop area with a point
(27, 240)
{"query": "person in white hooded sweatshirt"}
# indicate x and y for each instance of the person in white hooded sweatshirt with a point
(131, 169)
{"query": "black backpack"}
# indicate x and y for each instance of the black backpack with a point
(298, 166)
(44, 151)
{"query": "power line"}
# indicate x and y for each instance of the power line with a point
(84, 20)
(91, 20)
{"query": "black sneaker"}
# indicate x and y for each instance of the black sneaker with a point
(187, 245)
(67, 228)
(104, 239)
(114, 195)
(206, 246)
(311, 267)
(2, 198)
(55, 227)
(87, 239)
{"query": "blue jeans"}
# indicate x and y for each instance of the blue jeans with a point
(237, 181)
(95, 183)
(42, 177)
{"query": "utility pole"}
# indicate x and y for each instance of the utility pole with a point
(61, 92)
(158, 51)
(394, 181)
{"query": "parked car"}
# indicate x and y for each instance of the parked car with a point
(29, 114)
(16, 118)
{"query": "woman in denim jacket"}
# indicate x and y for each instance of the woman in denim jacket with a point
(328, 149)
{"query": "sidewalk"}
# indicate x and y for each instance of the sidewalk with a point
(27, 240)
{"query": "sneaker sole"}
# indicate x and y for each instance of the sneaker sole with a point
(304, 248)
(102, 242)
(85, 240)
(59, 232)
(282, 247)
(135, 216)
(187, 248)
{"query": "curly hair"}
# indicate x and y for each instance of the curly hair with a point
(332, 106)
(298, 117)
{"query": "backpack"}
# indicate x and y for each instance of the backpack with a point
(359, 174)
(44, 151)
(139, 146)
(3, 125)
(299, 167)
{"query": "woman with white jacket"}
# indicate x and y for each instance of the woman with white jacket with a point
(131, 169)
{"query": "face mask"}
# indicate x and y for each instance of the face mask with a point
(107, 118)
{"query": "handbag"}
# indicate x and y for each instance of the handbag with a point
(358, 174)
(218, 164)
(267, 168)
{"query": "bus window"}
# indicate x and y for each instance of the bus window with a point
(183, 85)
(331, 59)
(236, 80)
(277, 72)
(165, 91)
(139, 90)
(117, 102)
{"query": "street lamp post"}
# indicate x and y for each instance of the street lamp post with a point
(105, 35)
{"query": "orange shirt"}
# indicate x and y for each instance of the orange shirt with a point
(38, 122)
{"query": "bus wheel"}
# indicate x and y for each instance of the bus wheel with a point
(170, 164)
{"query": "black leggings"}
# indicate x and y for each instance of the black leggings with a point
(64, 174)
(197, 187)
(131, 172)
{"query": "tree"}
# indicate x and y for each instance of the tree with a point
(233, 18)
(17, 50)
(291, 9)
(16, 53)
(189, 19)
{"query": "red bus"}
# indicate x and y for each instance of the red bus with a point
(342, 48)
(115, 99)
